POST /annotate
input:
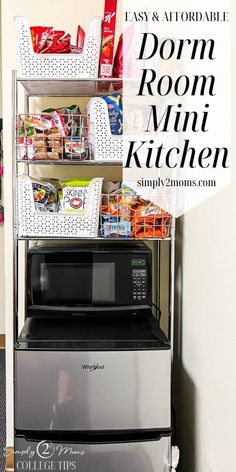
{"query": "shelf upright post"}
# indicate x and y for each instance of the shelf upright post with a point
(14, 203)
(171, 285)
(158, 275)
(25, 242)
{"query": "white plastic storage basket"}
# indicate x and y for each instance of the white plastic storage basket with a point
(33, 223)
(58, 66)
(103, 144)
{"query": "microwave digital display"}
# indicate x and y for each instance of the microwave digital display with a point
(138, 262)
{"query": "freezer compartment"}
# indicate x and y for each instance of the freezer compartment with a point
(92, 390)
(131, 456)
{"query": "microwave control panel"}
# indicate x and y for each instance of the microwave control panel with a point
(139, 277)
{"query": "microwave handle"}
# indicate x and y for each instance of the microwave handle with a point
(89, 308)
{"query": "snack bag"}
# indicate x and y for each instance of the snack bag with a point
(73, 196)
(67, 119)
(36, 122)
(59, 123)
(48, 41)
(45, 196)
(118, 60)
(80, 39)
(41, 193)
(115, 112)
(57, 43)
(74, 199)
(116, 229)
(22, 147)
(75, 148)
(74, 182)
(40, 35)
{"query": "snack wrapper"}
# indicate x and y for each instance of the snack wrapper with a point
(75, 148)
(48, 41)
(74, 199)
(115, 112)
(116, 229)
(45, 196)
(118, 60)
(40, 35)
(73, 195)
(80, 39)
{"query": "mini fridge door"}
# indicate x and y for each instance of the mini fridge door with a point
(140, 456)
(89, 390)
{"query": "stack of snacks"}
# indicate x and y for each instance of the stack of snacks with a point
(48, 41)
(55, 134)
(64, 196)
(55, 143)
(149, 221)
(124, 214)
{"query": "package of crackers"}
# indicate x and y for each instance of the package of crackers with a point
(108, 38)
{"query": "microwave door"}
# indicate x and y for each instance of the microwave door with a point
(66, 285)
(104, 283)
(60, 283)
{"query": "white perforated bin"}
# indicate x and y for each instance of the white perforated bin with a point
(32, 223)
(103, 144)
(58, 66)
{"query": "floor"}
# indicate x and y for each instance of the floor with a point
(2, 410)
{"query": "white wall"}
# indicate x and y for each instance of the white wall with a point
(205, 379)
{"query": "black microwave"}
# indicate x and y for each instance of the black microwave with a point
(89, 279)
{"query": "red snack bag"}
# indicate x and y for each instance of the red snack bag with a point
(80, 39)
(57, 44)
(40, 35)
(61, 44)
(108, 34)
(118, 61)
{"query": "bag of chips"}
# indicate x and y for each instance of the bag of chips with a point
(45, 196)
(115, 112)
(73, 195)
(48, 41)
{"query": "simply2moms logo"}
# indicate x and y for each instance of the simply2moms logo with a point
(47, 456)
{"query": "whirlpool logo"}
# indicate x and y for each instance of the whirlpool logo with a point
(92, 367)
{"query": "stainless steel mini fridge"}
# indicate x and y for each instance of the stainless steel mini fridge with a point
(95, 392)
